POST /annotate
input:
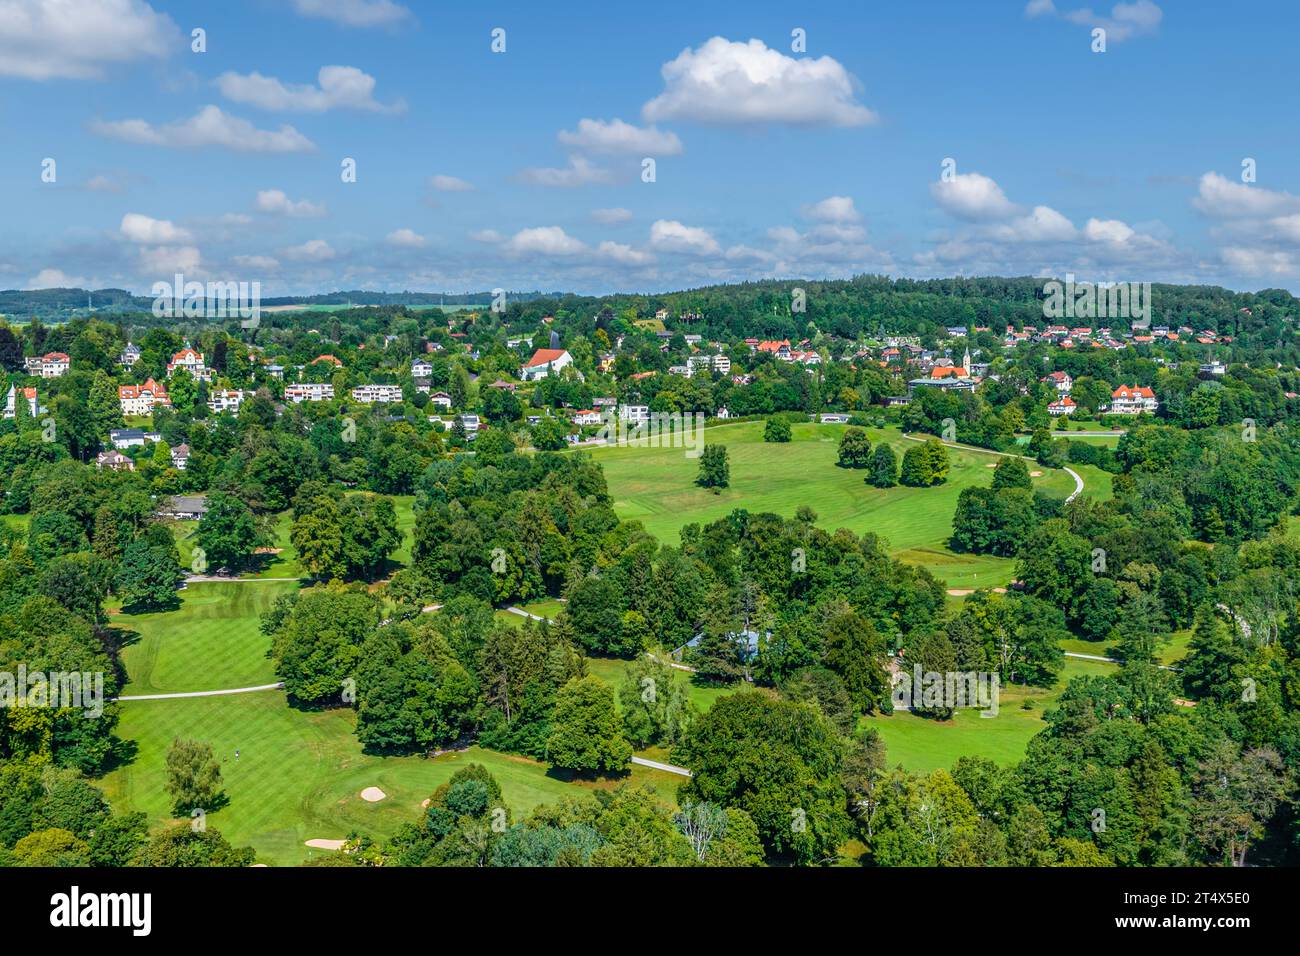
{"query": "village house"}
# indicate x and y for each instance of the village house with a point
(1132, 400)
(634, 414)
(309, 392)
(50, 365)
(191, 361)
(225, 400)
(421, 369)
(441, 399)
(587, 416)
(377, 393)
(141, 399)
(1060, 380)
(11, 403)
(1064, 405)
(130, 355)
(114, 461)
(180, 457)
(543, 363)
(122, 438)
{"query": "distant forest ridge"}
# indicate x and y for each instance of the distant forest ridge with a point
(67, 303)
(844, 307)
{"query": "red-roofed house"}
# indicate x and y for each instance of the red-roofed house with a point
(189, 360)
(141, 399)
(1064, 405)
(1132, 400)
(1061, 380)
(543, 363)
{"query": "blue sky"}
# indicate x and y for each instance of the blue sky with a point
(523, 169)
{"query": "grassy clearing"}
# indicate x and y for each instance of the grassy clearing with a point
(656, 487)
(920, 744)
(211, 642)
(300, 774)
(613, 671)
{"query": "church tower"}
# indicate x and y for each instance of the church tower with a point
(965, 363)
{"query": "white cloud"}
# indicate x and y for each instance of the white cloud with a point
(616, 136)
(727, 82)
(354, 13)
(486, 235)
(1044, 224)
(208, 127)
(76, 39)
(1221, 197)
(1107, 230)
(580, 172)
(341, 87)
(1260, 262)
(313, 250)
(1126, 20)
(670, 235)
(623, 254)
(546, 241)
(276, 202)
(168, 260)
(55, 279)
(449, 184)
(832, 209)
(140, 228)
(973, 197)
(611, 216)
(406, 238)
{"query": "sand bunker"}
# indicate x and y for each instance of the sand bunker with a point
(372, 794)
(1035, 474)
(326, 844)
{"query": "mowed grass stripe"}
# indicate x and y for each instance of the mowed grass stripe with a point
(212, 642)
(299, 775)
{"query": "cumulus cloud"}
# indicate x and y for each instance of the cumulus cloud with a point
(354, 13)
(210, 126)
(579, 172)
(276, 202)
(544, 241)
(1044, 224)
(168, 260)
(340, 87)
(137, 227)
(405, 238)
(669, 235)
(449, 184)
(313, 250)
(728, 83)
(1221, 197)
(1126, 20)
(832, 209)
(77, 39)
(973, 197)
(616, 136)
(623, 254)
(611, 216)
(1259, 263)
(55, 279)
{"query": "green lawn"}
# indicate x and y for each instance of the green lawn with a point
(300, 774)
(656, 487)
(613, 671)
(211, 642)
(920, 744)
